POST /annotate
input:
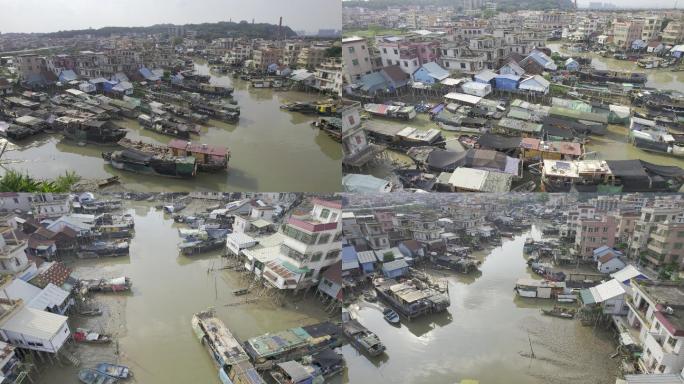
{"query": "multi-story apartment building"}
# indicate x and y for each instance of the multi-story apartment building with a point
(593, 233)
(665, 245)
(30, 66)
(651, 28)
(328, 76)
(626, 31)
(372, 230)
(313, 56)
(356, 58)
(656, 312)
(357, 150)
(458, 57)
(312, 243)
(625, 227)
(263, 57)
(674, 32)
(408, 55)
(647, 224)
(239, 52)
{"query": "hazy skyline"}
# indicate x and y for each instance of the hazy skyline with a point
(634, 3)
(55, 15)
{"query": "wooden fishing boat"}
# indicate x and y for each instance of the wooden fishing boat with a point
(363, 339)
(560, 312)
(391, 316)
(241, 292)
(119, 284)
(83, 335)
(92, 376)
(90, 312)
(113, 370)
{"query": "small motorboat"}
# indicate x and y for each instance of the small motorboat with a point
(113, 370)
(86, 336)
(90, 312)
(563, 313)
(92, 376)
(391, 316)
(241, 292)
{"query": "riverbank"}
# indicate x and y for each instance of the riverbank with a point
(487, 334)
(271, 149)
(151, 325)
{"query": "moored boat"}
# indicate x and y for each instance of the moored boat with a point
(133, 160)
(92, 376)
(405, 112)
(362, 338)
(113, 370)
(391, 316)
(563, 313)
(83, 335)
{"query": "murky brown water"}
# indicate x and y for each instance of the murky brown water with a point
(152, 325)
(484, 334)
(662, 78)
(271, 150)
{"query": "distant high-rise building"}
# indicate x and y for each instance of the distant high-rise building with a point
(177, 31)
(471, 5)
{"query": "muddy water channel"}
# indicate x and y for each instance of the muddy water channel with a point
(271, 149)
(659, 78)
(486, 335)
(151, 325)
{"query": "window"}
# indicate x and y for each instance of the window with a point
(384, 50)
(316, 256)
(355, 62)
(671, 341)
(323, 238)
(363, 47)
(678, 245)
(325, 213)
(463, 66)
(351, 49)
(405, 63)
(332, 254)
(396, 52)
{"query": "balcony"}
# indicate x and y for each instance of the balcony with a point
(659, 237)
(657, 248)
(640, 313)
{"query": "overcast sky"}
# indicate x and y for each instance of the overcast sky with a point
(55, 15)
(636, 3)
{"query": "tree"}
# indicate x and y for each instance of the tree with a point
(334, 51)
(14, 181)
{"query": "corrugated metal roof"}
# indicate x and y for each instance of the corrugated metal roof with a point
(19, 289)
(50, 296)
(36, 323)
(366, 257)
(606, 291)
(627, 273)
(240, 238)
(394, 265)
